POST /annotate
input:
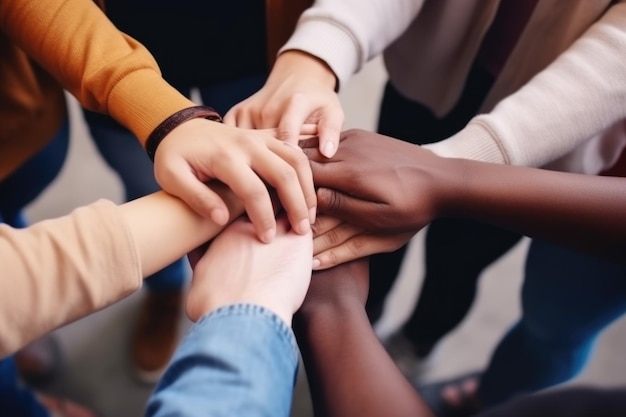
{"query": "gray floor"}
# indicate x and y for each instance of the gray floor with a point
(97, 371)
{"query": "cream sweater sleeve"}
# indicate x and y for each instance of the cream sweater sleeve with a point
(57, 271)
(348, 33)
(582, 93)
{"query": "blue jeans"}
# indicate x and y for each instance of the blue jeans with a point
(240, 360)
(16, 192)
(25, 184)
(125, 155)
(568, 299)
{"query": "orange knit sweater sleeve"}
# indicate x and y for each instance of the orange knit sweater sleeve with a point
(106, 70)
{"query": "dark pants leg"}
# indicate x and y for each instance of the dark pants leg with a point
(568, 299)
(17, 191)
(456, 250)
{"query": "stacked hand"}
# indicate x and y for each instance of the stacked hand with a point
(300, 90)
(238, 268)
(381, 191)
(200, 150)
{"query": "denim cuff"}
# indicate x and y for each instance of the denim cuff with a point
(254, 310)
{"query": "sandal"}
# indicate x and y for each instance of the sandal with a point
(455, 397)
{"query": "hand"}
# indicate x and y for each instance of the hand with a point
(381, 184)
(299, 90)
(199, 150)
(237, 268)
(336, 242)
(344, 285)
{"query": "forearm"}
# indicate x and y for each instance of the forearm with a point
(580, 211)
(577, 96)
(349, 371)
(164, 228)
(106, 70)
(238, 360)
(357, 30)
(99, 253)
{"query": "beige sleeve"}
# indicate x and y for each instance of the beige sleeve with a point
(59, 270)
(576, 97)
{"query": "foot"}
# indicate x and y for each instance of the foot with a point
(453, 398)
(61, 407)
(155, 335)
(39, 362)
(413, 360)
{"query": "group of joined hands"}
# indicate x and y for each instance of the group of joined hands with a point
(371, 196)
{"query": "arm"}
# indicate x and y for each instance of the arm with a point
(404, 187)
(110, 72)
(576, 97)
(59, 270)
(349, 371)
(333, 40)
(241, 357)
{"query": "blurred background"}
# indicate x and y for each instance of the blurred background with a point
(97, 370)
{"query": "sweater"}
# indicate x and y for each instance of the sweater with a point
(57, 271)
(104, 69)
(560, 97)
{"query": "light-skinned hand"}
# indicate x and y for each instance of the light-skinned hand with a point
(237, 268)
(200, 150)
(299, 90)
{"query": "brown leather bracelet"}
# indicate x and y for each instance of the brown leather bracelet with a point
(172, 122)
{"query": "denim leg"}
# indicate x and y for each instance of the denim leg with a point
(16, 400)
(568, 298)
(25, 184)
(125, 155)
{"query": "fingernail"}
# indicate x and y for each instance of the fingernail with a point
(268, 235)
(304, 226)
(316, 263)
(329, 150)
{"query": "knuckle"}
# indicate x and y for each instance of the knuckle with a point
(330, 258)
(254, 194)
(332, 237)
(287, 175)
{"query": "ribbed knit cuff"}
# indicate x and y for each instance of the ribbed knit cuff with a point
(329, 42)
(474, 142)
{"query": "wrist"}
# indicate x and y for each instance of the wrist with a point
(338, 306)
(445, 178)
(175, 120)
(298, 62)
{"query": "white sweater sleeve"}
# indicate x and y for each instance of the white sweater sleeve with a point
(578, 96)
(348, 33)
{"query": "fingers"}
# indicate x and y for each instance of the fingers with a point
(297, 112)
(345, 207)
(358, 247)
(239, 116)
(180, 180)
(294, 156)
(287, 170)
(324, 223)
(335, 237)
(254, 194)
(329, 129)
